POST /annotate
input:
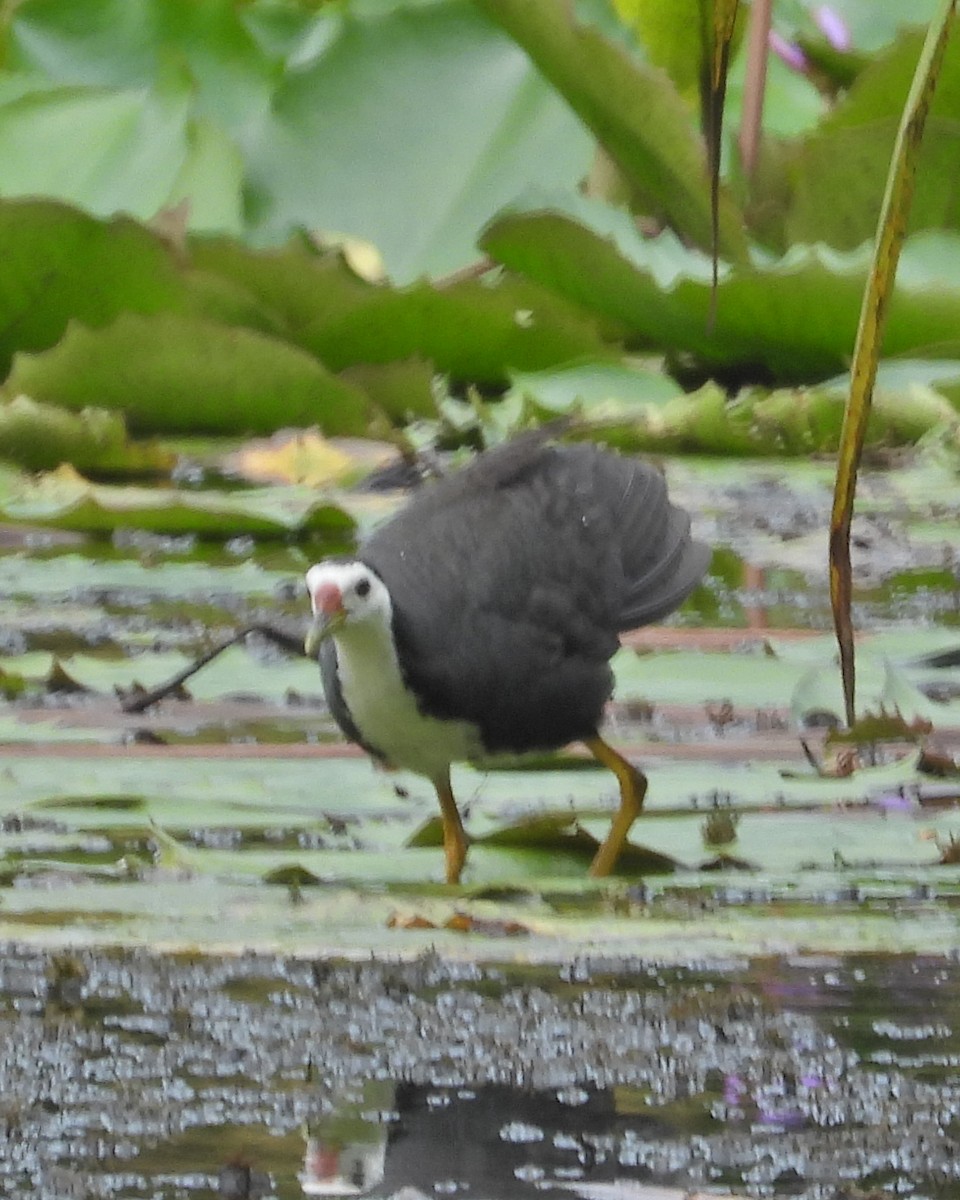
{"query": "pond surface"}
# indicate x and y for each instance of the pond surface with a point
(137, 1074)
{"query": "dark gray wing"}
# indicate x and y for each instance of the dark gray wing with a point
(511, 580)
(661, 562)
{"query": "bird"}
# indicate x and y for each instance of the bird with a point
(481, 618)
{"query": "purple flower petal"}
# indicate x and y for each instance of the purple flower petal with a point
(893, 802)
(833, 27)
(785, 1118)
(792, 55)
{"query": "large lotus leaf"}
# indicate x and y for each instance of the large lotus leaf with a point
(327, 110)
(57, 585)
(597, 389)
(640, 409)
(190, 375)
(838, 171)
(41, 436)
(60, 263)
(404, 389)
(350, 920)
(748, 681)
(433, 85)
(295, 284)
(130, 43)
(634, 110)
(134, 144)
(791, 103)
(901, 643)
(497, 798)
(209, 183)
(903, 374)
(794, 319)
(803, 678)
(472, 329)
(787, 421)
(882, 687)
(144, 150)
(670, 35)
(64, 499)
(793, 843)
(176, 789)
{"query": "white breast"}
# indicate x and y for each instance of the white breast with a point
(386, 714)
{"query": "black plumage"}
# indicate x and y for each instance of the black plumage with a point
(511, 580)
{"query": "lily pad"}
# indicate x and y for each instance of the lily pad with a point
(792, 320)
(66, 500)
(42, 436)
(190, 375)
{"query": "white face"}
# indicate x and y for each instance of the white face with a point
(347, 593)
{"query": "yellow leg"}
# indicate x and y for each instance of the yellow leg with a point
(633, 788)
(454, 838)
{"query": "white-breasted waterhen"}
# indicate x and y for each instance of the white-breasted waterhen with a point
(482, 617)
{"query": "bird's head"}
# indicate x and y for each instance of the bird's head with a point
(342, 594)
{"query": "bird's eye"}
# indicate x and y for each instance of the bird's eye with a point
(363, 587)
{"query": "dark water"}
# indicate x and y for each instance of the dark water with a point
(142, 1075)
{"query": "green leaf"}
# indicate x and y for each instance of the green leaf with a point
(210, 180)
(404, 390)
(791, 106)
(598, 391)
(635, 112)
(433, 85)
(134, 143)
(65, 500)
(838, 171)
(48, 36)
(295, 285)
(121, 44)
(640, 409)
(902, 375)
(61, 264)
(749, 681)
(325, 110)
(472, 330)
(563, 833)
(39, 436)
(235, 672)
(669, 31)
(794, 318)
(190, 375)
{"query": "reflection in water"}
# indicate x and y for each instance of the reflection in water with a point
(333, 1168)
(488, 1140)
(347, 1148)
(821, 1078)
